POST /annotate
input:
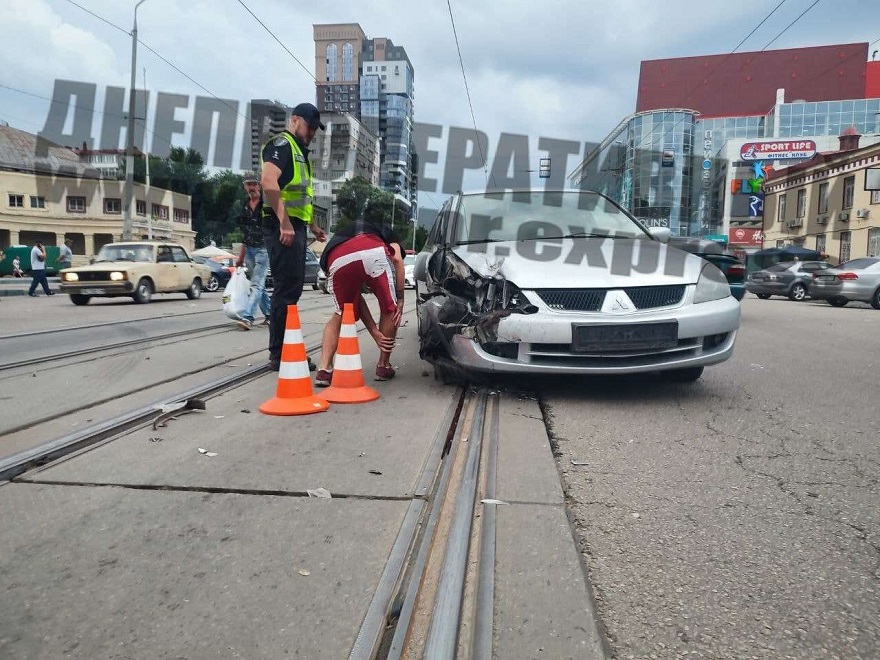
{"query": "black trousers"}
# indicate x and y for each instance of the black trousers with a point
(288, 264)
(39, 278)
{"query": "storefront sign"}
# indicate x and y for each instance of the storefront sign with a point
(778, 150)
(746, 236)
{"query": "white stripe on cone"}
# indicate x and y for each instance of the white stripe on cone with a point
(293, 337)
(348, 331)
(347, 362)
(293, 370)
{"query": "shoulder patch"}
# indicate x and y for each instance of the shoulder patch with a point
(279, 141)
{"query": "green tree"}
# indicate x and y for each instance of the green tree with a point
(351, 199)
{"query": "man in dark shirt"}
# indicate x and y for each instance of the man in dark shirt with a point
(287, 187)
(253, 253)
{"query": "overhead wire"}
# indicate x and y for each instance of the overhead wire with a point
(470, 103)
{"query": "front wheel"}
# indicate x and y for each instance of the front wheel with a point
(79, 299)
(838, 302)
(798, 292)
(144, 291)
(213, 284)
(763, 296)
(195, 289)
(875, 299)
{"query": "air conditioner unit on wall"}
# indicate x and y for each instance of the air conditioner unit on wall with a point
(862, 213)
(843, 216)
(822, 219)
(796, 222)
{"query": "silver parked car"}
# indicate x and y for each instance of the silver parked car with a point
(565, 282)
(791, 279)
(857, 279)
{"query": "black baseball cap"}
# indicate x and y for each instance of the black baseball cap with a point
(310, 113)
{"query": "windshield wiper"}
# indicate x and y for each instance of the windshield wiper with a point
(480, 240)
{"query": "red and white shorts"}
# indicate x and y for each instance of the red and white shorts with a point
(364, 259)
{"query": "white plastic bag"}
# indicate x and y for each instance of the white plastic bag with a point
(236, 293)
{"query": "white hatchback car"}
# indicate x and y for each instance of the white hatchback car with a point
(565, 282)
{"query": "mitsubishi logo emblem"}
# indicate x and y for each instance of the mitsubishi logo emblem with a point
(618, 302)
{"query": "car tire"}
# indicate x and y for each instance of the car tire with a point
(79, 299)
(143, 292)
(838, 302)
(763, 296)
(875, 299)
(194, 292)
(798, 292)
(689, 375)
(213, 284)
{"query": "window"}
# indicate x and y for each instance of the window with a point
(874, 242)
(179, 254)
(140, 207)
(823, 197)
(849, 187)
(112, 205)
(331, 62)
(875, 197)
(38, 202)
(159, 212)
(802, 203)
(164, 255)
(783, 202)
(16, 201)
(181, 215)
(76, 204)
(820, 243)
(845, 245)
(347, 68)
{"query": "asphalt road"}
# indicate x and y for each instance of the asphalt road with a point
(738, 517)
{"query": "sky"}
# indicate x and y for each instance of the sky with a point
(554, 69)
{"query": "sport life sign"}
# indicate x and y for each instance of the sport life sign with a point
(778, 149)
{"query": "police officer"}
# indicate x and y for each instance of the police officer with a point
(287, 189)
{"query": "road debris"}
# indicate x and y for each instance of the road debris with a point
(574, 462)
(209, 454)
(156, 439)
(320, 492)
(374, 472)
(304, 572)
(494, 502)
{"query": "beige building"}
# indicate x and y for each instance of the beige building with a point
(337, 66)
(822, 204)
(49, 194)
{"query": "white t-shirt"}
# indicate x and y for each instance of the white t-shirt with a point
(66, 254)
(36, 264)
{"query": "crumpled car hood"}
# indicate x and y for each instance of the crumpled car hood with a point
(584, 263)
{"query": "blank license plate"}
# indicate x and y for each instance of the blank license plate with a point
(625, 337)
(93, 292)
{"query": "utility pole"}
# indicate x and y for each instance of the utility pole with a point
(129, 137)
(148, 208)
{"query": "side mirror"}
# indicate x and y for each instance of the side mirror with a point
(92, 260)
(662, 234)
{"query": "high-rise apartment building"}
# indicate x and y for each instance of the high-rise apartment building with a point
(267, 119)
(373, 80)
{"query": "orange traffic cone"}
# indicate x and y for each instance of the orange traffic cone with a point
(294, 395)
(348, 374)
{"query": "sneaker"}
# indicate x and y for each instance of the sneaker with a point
(245, 324)
(274, 364)
(323, 378)
(265, 321)
(32, 295)
(312, 365)
(384, 373)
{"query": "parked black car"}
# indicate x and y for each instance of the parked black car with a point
(787, 278)
(734, 269)
(312, 267)
(219, 273)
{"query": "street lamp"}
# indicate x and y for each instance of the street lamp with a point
(129, 137)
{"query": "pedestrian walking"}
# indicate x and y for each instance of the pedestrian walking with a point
(287, 187)
(65, 255)
(38, 269)
(254, 255)
(16, 267)
(366, 253)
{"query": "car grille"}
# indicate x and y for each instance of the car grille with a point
(577, 300)
(93, 277)
(590, 300)
(648, 297)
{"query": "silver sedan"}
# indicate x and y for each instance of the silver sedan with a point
(565, 282)
(858, 279)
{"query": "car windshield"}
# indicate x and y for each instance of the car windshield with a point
(510, 216)
(782, 266)
(409, 260)
(129, 252)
